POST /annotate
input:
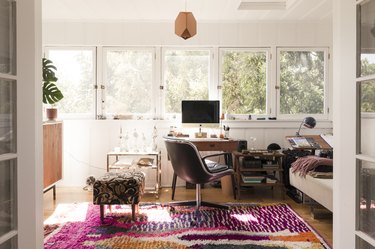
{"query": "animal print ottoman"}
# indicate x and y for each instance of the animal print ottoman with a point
(125, 187)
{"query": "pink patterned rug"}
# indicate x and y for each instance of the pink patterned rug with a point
(243, 226)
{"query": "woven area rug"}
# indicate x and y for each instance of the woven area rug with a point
(243, 226)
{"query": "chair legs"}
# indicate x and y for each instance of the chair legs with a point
(198, 201)
(174, 180)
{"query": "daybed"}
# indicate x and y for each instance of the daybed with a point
(316, 188)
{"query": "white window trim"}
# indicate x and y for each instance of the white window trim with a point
(267, 50)
(326, 107)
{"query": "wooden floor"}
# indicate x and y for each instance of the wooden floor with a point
(252, 195)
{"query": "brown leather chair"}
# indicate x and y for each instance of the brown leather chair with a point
(188, 164)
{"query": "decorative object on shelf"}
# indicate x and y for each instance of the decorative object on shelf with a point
(51, 93)
(273, 147)
(252, 143)
(135, 136)
(185, 24)
(308, 122)
(144, 142)
(154, 137)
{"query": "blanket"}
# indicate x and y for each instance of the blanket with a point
(308, 163)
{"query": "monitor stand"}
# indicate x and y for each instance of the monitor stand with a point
(200, 134)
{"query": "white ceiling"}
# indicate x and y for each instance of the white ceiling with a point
(167, 10)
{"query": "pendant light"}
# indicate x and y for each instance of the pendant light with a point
(185, 24)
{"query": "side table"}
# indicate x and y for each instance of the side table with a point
(113, 157)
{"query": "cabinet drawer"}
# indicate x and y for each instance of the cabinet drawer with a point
(217, 146)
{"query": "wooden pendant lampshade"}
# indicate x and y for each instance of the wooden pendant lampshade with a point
(185, 25)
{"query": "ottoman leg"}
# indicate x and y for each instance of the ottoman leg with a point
(133, 211)
(102, 213)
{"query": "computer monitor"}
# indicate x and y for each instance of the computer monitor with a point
(200, 112)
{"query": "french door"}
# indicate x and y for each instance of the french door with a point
(8, 153)
(365, 155)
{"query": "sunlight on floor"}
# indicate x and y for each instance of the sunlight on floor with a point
(68, 212)
(245, 218)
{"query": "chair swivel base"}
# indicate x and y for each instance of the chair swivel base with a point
(194, 203)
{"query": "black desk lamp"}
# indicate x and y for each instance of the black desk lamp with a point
(308, 122)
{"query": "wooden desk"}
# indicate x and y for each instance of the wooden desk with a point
(210, 144)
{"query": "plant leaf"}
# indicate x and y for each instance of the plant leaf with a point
(51, 93)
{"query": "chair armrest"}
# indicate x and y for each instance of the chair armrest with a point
(218, 154)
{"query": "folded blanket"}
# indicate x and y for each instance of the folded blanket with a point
(305, 164)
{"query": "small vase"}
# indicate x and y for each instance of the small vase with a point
(51, 114)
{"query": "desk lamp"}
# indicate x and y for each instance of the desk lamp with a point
(308, 122)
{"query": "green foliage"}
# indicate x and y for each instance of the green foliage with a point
(186, 77)
(129, 75)
(367, 88)
(51, 93)
(244, 82)
(301, 82)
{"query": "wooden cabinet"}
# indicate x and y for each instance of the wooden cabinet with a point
(258, 169)
(52, 155)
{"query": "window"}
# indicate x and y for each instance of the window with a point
(244, 75)
(76, 80)
(186, 76)
(145, 82)
(303, 81)
(128, 76)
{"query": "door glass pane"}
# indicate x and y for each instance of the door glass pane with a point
(7, 38)
(7, 116)
(129, 77)
(361, 244)
(7, 196)
(244, 80)
(9, 244)
(367, 45)
(76, 79)
(186, 77)
(302, 81)
(366, 202)
(367, 104)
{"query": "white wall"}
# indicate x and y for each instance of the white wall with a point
(344, 118)
(29, 125)
(211, 34)
(86, 142)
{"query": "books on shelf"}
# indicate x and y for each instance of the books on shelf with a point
(271, 179)
(270, 166)
(251, 178)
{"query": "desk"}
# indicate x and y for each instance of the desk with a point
(210, 144)
(319, 143)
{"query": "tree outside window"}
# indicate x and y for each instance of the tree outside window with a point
(129, 81)
(302, 82)
(244, 82)
(186, 77)
(75, 73)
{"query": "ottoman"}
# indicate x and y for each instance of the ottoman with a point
(125, 187)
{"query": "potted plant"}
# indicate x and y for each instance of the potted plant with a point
(51, 93)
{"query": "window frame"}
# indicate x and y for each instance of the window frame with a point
(103, 93)
(268, 52)
(93, 113)
(325, 114)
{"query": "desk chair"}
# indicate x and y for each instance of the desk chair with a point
(188, 164)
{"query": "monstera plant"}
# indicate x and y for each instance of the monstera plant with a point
(51, 93)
